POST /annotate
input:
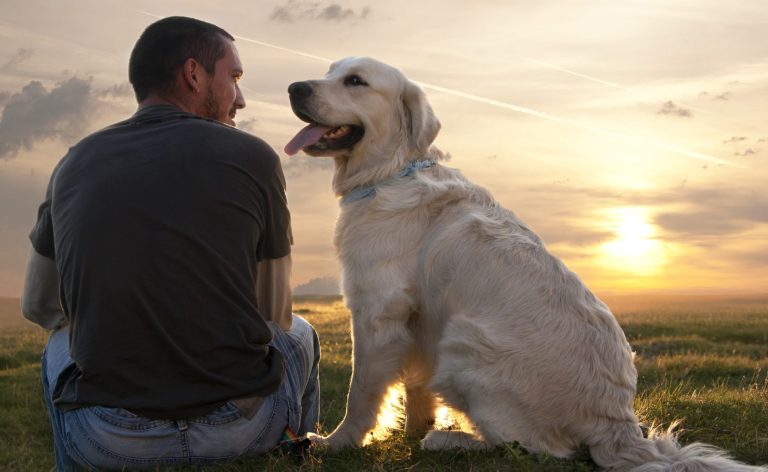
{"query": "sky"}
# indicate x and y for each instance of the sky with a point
(632, 136)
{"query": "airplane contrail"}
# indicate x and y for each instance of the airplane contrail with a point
(576, 124)
(578, 74)
(604, 82)
(280, 48)
(515, 108)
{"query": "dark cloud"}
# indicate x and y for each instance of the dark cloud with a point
(301, 10)
(282, 14)
(22, 54)
(338, 13)
(124, 90)
(670, 108)
(64, 112)
(37, 114)
(319, 286)
(699, 215)
(715, 212)
(747, 152)
(735, 139)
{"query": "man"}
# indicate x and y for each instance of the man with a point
(161, 258)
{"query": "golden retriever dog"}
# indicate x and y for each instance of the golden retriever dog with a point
(458, 298)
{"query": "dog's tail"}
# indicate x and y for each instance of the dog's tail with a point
(627, 451)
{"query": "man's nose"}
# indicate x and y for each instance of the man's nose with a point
(239, 99)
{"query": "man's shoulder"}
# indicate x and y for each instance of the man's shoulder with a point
(191, 134)
(232, 139)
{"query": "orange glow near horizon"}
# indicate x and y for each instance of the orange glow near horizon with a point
(635, 249)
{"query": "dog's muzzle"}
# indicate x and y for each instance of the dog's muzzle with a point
(299, 90)
(299, 93)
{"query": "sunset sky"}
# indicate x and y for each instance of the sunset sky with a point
(632, 136)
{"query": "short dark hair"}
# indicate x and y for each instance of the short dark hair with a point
(164, 47)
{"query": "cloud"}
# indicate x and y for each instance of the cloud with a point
(735, 139)
(64, 112)
(248, 125)
(722, 96)
(20, 196)
(692, 213)
(747, 152)
(714, 212)
(37, 114)
(22, 54)
(124, 90)
(337, 13)
(670, 108)
(319, 286)
(570, 234)
(298, 166)
(312, 11)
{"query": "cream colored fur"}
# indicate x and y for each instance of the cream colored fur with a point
(457, 296)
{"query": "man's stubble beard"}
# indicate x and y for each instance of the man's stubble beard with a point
(212, 107)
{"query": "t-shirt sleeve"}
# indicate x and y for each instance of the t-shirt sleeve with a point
(42, 233)
(277, 237)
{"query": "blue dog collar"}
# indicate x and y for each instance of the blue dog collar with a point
(361, 193)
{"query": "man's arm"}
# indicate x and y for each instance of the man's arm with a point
(273, 290)
(40, 300)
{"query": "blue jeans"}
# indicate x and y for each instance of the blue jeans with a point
(113, 438)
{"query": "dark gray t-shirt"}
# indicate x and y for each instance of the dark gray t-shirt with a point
(156, 225)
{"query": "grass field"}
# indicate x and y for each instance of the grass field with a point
(703, 361)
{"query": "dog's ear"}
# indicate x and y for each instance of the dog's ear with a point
(420, 123)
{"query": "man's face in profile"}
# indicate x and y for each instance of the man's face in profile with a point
(223, 97)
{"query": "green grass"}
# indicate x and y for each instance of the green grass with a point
(704, 364)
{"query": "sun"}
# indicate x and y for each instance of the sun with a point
(635, 247)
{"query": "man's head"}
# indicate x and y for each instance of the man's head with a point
(190, 63)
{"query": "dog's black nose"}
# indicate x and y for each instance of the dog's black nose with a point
(300, 89)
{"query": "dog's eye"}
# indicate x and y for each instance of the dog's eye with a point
(354, 81)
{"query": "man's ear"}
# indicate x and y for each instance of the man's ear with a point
(420, 123)
(191, 73)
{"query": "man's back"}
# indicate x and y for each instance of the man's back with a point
(159, 222)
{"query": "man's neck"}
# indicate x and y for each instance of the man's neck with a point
(158, 100)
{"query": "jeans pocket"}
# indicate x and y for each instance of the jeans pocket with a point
(114, 438)
(123, 418)
(224, 414)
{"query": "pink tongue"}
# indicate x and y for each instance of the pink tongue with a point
(307, 136)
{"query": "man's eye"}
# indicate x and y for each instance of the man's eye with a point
(354, 81)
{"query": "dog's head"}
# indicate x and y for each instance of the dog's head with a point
(363, 110)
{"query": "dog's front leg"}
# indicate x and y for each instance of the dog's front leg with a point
(379, 345)
(419, 399)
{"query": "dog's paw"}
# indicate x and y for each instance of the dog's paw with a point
(332, 442)
(440, 440)
(319, 442)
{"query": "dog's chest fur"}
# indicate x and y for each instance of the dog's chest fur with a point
(378, 246)
(382, 240)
